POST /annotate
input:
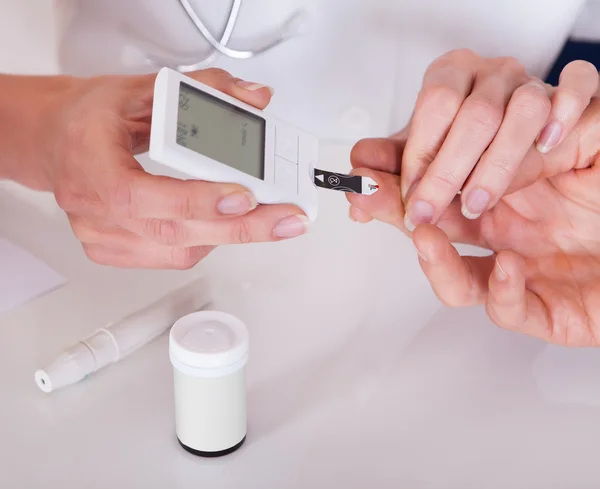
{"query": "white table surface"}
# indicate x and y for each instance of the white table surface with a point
(357, 378)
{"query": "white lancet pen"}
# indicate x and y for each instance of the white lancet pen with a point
(119, 339)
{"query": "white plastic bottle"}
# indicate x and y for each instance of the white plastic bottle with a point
(209, 352)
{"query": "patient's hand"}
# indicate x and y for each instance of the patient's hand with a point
(542, 218)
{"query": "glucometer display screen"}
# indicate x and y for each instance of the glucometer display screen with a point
(221, 131)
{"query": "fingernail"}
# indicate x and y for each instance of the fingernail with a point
(291, 227)
(252, 87)
(500, 273)
(549, 136)
(237, 203)
(419, 212)
(421, 255)
(475, 203)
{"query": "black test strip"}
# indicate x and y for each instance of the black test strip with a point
(338, 181)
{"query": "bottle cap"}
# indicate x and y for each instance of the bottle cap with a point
(208, 344)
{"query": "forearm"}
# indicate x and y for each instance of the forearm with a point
(27, 111)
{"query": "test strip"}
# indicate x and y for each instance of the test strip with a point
(354, 184)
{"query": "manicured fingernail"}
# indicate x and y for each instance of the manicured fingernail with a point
(238, 203)
(549, 136)
(419, 212)
(475, 203)
(291, 227)
(252, 87)
(500, 273)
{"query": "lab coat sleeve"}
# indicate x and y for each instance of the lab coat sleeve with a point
(587, 27)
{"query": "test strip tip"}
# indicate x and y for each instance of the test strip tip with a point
(369, 186)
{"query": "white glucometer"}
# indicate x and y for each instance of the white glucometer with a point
(211, 136)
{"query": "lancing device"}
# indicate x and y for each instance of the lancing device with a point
(122, 338)
(211, 136)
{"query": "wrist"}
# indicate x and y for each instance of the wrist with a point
(29, 110)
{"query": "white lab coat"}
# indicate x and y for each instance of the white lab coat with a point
(357, 71)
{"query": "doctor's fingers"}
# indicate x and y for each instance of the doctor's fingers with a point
(578, 83)
(108, 244)
(267, 223)
(509, 164)
(386, 206)
(146, 255)
(494, 128)
(252, 93)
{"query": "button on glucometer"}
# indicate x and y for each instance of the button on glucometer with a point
(286, 143)
(286, 175)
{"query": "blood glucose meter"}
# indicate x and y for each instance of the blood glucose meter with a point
(212, 136)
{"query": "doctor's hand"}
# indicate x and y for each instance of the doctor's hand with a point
(543, 278)
(479, 126)
(126, 217)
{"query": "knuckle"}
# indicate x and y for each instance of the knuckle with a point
(442, 100)
(66, 199)
(426, 156)
(492, 312)
(165, 231)
(240, 231)
(73, 201)
(447, 180)
(183, 258)
(96, 255)
(501, 166)
(186, 207)
(460, 54)
(119, 200)
(531, 102)
(215, 77)
(216, 72)
(84, 232)
(510, 64)
(78, 200)
(485, 114)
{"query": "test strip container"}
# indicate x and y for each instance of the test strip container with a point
(209, 352)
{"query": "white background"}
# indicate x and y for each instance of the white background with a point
(356, 378)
